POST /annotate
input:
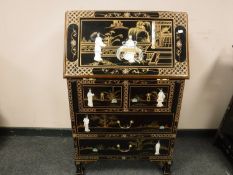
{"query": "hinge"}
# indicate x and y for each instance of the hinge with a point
(162, 81)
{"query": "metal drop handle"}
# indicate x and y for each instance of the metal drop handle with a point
(125, 127)
(124, 151)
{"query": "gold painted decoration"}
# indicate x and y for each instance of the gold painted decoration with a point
(126, 44)
(72, 43)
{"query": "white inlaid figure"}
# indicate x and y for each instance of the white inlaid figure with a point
(98, 46)
(129, 55)
(130, 42)
(129, 51)
(90, 98)
(160, 99)
(86, 124)
(153, 40)
(157, 148)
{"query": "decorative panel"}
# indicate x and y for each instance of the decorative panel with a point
(126, 44)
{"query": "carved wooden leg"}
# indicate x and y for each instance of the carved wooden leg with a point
(79, 169)
(167, 168)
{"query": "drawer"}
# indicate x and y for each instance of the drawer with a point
(150, 97)
(124, 95)
(124, 123)
(103, 96)
(100, 95)
(134, 147)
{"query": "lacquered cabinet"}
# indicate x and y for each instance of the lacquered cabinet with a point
(125, 74)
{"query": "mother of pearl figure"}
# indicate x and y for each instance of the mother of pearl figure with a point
(86, 124)
(129, 55)
(160, 99)
(98, 45)
(90, 98)
(157, 148)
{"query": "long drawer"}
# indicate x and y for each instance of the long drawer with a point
(128, 147)
(125, 123)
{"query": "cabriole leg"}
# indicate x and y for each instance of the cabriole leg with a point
(79, 168)
(167, 168)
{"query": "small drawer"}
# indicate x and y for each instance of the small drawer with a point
(135, 147)
(150, 96)
(100, 95)
(125, 123)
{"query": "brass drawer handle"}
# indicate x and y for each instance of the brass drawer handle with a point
(125, 127)
(123, 151)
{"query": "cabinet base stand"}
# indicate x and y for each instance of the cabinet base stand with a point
(166, 168)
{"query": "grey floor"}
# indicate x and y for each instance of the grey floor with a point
(24, 155)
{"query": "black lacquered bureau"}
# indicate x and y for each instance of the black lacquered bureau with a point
(125, 74)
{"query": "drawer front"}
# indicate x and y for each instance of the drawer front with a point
(103, 96)
(150, 97)
(100, 95)
(125, 123)
(124, 95)
(130, 147)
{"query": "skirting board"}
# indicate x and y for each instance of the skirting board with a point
(66, 132)
(50, 132)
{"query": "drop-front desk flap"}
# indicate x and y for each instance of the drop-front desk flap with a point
(122, 44)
